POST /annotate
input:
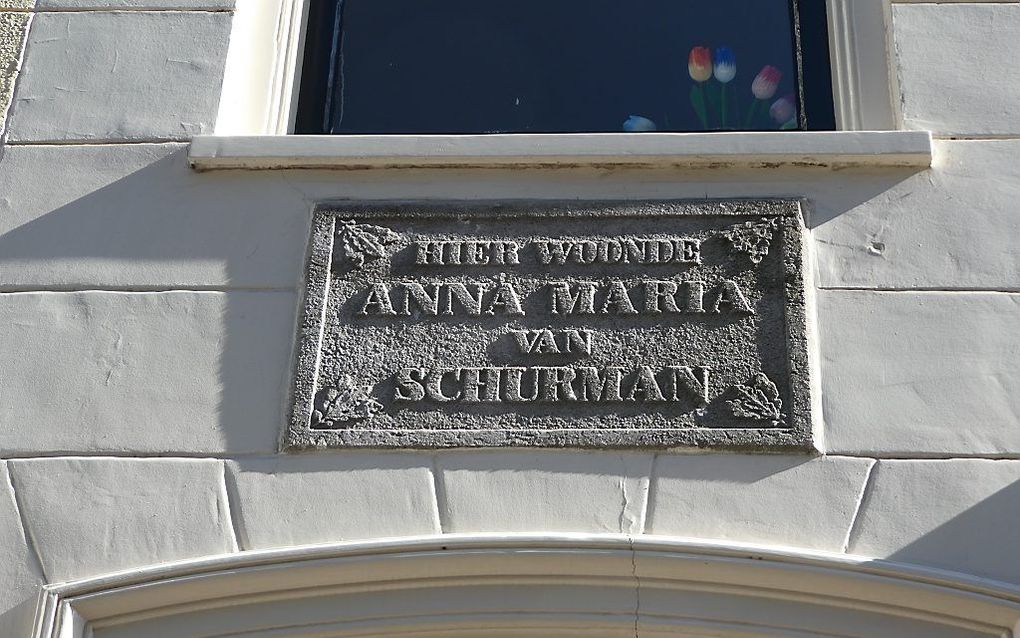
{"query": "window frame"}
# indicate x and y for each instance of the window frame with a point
(262, 85)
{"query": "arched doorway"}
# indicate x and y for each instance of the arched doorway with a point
(526, 584)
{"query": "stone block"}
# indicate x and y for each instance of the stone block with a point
(195, 372)
(920, 373)
(12, 40)
(16, 5)
(130, 216)
(90, 516)
(331, 498)
(960, 514)
(955, 78)
(770, 500)
(951, 227)
(548, 491)
(20, 572)
(111, 76)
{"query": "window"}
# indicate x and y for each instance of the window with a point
(564, 66)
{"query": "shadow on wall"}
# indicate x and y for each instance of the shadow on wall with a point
(136, 218)
(200, 369)
(981, 538)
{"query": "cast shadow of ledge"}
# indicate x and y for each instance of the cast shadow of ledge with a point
(138, 219)
(197, 359)
(980, 541)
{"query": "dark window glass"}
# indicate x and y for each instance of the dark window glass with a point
(564, 66)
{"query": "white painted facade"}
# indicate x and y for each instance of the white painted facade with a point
(148, 297)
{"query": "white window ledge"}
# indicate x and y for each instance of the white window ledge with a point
(840, 149)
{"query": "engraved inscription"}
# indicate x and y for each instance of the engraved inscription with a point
(662, 324)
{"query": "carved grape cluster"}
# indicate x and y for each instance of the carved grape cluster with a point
(753, 238)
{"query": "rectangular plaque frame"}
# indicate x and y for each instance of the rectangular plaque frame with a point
(352, 367)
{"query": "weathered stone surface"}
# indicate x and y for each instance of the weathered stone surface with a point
(19, 569)
(907, 373)
(951, 227)
(960, 514)
(770, 500)
(12, 39)
(135, 215)
(330, 498)
(600, 325)
(554, 491)
(98, 515)
(954, 78)
(133, 75)
(144, 372)
(150, 5)
(16, 4)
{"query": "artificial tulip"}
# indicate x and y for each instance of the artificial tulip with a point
(638, 124)
(766, 82)
(783, 110)
(699, 64)
(725, 67)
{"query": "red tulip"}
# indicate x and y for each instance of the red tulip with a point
(766, 83)
(699, 64)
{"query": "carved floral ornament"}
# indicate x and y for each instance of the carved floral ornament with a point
(344, 402)
(758, 399)
(362, 242)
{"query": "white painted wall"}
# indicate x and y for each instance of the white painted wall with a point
(147, 314)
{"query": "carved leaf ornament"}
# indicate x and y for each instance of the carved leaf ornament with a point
(363, 242)
(753, 238)
(344, 402)
(758, 399)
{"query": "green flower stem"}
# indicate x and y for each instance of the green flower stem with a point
(751, 113)
(704, 106)
(698, 104)
(723, 100)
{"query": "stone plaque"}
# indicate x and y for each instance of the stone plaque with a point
(659, 324)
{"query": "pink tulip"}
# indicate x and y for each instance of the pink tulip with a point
(766, 82)
(783, 110)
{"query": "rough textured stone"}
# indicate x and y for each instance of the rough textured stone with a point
(149, 5)
(19, 568)
(962, 515)
(129, 216)
(951, 227)
(691, 338)
(328, 498)
(16, 4)
(520, 491)
(12, 39)
(131, 75)
(98, 515)
(920, 373)
(144, 372)
(955, 77)
(770, 500)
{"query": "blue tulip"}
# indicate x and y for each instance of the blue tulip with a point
(725, 65)
(638, 124)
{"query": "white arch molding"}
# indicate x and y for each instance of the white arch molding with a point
(548, 586)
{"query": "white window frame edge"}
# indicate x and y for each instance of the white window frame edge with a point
(258, 106)
(864, 77)
(260, 83)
